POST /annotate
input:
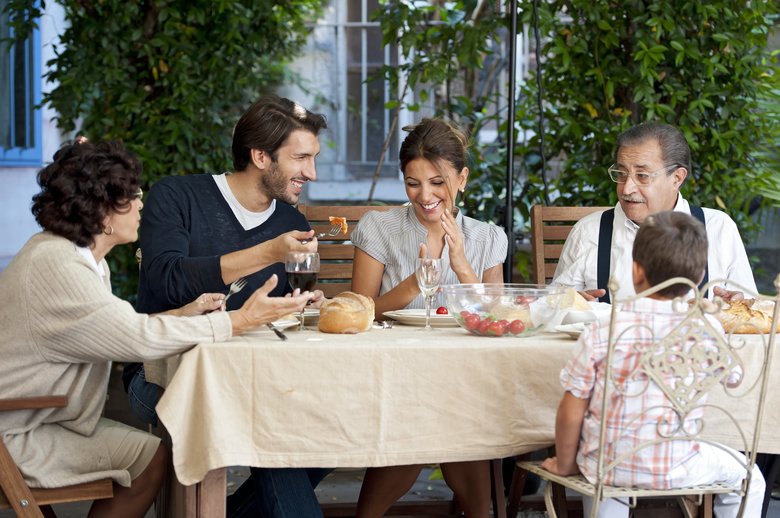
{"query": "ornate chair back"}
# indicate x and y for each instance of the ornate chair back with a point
(674, 382)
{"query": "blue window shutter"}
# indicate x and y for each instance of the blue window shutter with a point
(21, 131)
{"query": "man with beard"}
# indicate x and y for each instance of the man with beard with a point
(199, 233)
(652, 161)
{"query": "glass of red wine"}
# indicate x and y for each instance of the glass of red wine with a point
(302, 269)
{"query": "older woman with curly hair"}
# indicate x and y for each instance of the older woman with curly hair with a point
(60, 327)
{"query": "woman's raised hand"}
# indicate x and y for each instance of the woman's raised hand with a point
(261, 309)
(454, 239)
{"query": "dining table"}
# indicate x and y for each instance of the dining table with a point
(384, 397)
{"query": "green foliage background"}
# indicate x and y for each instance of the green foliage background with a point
(168, 77)
(702, 66)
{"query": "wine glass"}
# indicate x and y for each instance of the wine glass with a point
(428, 272)
(302, 269)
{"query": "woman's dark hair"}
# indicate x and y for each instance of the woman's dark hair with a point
(434, 140)
(671, 244)
(267, 124)
(84, 184)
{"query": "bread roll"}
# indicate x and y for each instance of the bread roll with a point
(747, 317)
(346, 313)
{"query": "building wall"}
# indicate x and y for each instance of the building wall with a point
(18, 184)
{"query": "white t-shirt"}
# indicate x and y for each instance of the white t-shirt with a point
(247, 218)
(578, 265)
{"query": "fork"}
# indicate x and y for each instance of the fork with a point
(235, 287)
(335, 230)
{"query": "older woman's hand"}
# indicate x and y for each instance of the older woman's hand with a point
(261, 309)
(205, 303)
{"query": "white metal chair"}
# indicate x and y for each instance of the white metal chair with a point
(685, 367)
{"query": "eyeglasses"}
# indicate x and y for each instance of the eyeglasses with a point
(139, 194)
(619, 176)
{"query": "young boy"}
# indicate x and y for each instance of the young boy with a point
(668, 244)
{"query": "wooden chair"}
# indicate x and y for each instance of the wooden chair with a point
(336, 253)
(550, 226)
(681, 368)
(15, 493)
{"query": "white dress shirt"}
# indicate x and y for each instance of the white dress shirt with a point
(578, 265)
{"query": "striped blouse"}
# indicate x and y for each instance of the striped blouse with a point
(393, 238)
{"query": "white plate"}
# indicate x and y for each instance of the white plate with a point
(278, 324)
(416, 317)
(597, 309)
(573, 330)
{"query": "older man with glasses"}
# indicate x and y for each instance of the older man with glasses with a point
(652, 161)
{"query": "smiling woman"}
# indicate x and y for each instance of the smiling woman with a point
(387, 244)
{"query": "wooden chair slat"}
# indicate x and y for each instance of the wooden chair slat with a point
(556, 232)
(31, 403)
(550, 226)
(331, 289)
(335, 271)
(331, 251)
(336, 252)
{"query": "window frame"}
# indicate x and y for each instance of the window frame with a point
(28, 156)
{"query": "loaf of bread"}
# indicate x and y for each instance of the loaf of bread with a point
(747, 317)
(347, 312)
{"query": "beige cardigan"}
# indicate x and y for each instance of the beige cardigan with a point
(60, 327)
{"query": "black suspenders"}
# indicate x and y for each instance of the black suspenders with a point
(605, 248)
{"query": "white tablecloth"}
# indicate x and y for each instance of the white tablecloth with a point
(384, 397)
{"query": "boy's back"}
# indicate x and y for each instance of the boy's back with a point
(637, 407)
(667, 245)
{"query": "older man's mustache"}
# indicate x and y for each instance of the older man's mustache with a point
(632, 199)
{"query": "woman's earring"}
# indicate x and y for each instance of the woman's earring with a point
(108, 230)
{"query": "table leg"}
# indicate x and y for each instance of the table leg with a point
(206, 499)
(497, 488)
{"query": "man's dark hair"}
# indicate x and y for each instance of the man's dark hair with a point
(267, 124)
(671, 244)
(674, 147)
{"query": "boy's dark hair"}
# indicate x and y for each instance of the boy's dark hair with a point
(671, 244)
(267, 124)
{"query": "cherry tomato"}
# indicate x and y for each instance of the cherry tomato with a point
(482, 327)
(516, 327)
(472, 321)
(496, 329)
(441, 310)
